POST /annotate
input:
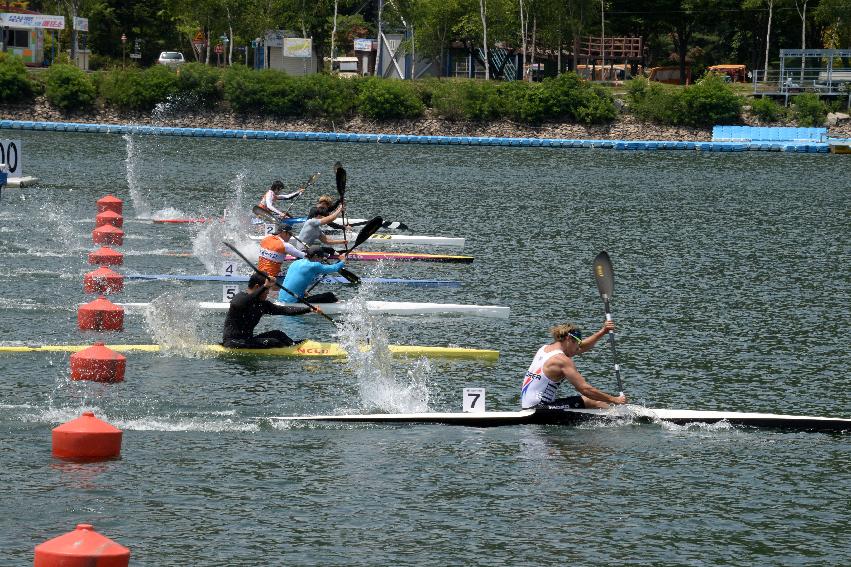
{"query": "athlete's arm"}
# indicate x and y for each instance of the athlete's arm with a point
(289, 196)
(292, 250)
(269, 203)
(569, 372)
(326, 240)
(332, 217)
(589, 342)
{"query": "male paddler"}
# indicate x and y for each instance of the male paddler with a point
(301, 274)
(553, 364)
(276, 193)
(311, 231)
(246, 309)
(274, 249)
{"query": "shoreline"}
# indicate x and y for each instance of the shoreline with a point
(626, 127)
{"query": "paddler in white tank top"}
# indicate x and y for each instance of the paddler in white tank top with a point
(553, 364)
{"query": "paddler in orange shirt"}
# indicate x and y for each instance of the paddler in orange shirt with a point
(274, 249)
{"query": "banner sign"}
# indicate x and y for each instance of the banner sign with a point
(11, 155)
(274, 38)
(12, 20)
(297, 47)
(364, 44)
(81, 24)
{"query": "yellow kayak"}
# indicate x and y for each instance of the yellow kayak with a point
(307, 348)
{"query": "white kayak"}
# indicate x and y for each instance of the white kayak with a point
(378, 308)
(404, 239)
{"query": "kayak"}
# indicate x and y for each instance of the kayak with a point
(630, 414)
(394, 239)
(377, 308)
(304, 349)
(327, 279)
(368, 257)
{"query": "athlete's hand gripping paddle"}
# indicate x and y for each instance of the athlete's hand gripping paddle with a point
(253, 267)
(605, 277)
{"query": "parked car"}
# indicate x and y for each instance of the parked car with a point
(171, 58)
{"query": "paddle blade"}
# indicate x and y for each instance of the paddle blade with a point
(264, 215)
(368, 230)
(604, 275)
(350, 276)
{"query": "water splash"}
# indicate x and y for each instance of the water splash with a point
(378, 383)
(234, 228)
(173, 319)
(142, 208)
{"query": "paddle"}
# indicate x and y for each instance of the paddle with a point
(340, 177)
(253, 267)
(310, 181)
(368, 230)
(605, 277)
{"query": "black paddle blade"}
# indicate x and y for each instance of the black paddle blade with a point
(604, 275)
(264, 215)
(350, 276)
(368, 230)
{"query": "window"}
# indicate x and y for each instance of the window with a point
(18, 38)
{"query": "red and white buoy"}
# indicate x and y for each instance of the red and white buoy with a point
(106, 256)
(100, 315)
(109, 217)
(110, 203)
(103, 280)
(108, 234)
(83, 547)
(98, 364)
(86, 438)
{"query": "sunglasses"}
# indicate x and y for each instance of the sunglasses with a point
(576, 337)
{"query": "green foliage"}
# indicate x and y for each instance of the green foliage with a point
(132, 89)
(767, 110)
(564, 97)
(69, 88)
(808, 110)
(326, 96)
(709, 102)
(199, 85)
(466, 99)
(14, 84)
(382, 99)
(244, 89)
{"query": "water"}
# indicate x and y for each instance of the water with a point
(731, 292)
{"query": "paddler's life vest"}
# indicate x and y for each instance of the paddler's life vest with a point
(537, 388)
(273, 251)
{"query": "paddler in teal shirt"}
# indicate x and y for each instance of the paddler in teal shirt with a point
(304, 272)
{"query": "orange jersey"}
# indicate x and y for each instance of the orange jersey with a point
(273, 251)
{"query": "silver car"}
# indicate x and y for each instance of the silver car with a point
(171, 58)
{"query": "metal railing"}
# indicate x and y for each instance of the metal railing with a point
(828, 82)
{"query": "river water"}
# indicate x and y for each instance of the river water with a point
(731, 292)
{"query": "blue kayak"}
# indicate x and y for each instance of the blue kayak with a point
(330, 279)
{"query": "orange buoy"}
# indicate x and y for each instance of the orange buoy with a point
(98, 364)
(103, 280)
(106, 256)
(108, 234)
(83, 547)
(86, 438)
(110, 203)
(109, 217)
(100, 315)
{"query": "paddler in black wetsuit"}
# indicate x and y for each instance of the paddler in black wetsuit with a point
(246, 309)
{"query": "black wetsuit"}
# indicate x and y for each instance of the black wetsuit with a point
(246, 309)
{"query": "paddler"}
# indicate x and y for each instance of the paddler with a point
(553, 364)
(311, 231)
(276, 193)
(246, 309)
(303, 273)
(274, 249)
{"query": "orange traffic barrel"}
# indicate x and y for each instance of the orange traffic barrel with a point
(100, 315)
(86, 438)
(83, 547)
(110, 203)
(108, 234)
(106, 256)
(103, 280)
(109, 217)
(98, 364)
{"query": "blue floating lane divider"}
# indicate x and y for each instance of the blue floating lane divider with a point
(724, 138)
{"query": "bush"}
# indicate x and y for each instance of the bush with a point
(244, 89)
(767, 110)
(132, 89)
(467, 99)
(707, 103)
(69, 88)
(565, 96)
(14, 84)
(326, 96)
(809, 110)
(199, 85)
(382, 99)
